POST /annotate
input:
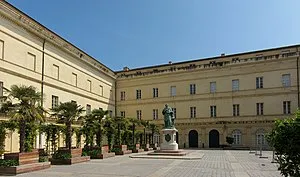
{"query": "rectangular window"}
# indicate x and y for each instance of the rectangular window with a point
(155, 92)
(54, 101)
(236, 110)
(88, 109)
(1, 89)
(155, 114)
(193, 112)
(138, 94)
(101, 90)
(259, 108)
(55, 72)
(31, 61)
(235, 85)
(74, 79)
(259, 82)
(286, 80)
(73, 101)
(89, 84)
(1, 50)
(174, 113)
(122, 96)
(173, 90)
(287, 107)
(192, 89)
(123, 114)
(213, 111)
(139, 114)
(213, 86)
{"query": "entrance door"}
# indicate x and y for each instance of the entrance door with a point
(193, 139)
(214, 139)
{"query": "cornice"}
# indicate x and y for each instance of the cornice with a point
(26, 22)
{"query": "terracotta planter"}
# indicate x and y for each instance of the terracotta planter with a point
(105, 149)
(24, 157)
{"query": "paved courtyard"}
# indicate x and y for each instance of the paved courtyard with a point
(214, 163)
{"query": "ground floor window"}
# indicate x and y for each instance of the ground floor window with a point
(260, 137)
(237, 137)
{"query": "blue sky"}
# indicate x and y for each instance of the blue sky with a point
(138, 33)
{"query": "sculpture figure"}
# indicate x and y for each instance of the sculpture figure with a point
(168, 117)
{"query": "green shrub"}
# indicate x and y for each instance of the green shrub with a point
(84, 153)
(116, 149)
(61, 155)
(94, 153)
(8, 163)
(43, 159)
(229, 139)
(131, 147)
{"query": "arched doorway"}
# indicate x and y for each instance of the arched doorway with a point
(214, 139)
(177, 137)
(193, 139)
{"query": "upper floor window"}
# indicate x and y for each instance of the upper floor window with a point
(193, 112)
(259, 108)
(123, 114)
(74, 79)
(287, 107)
(173, 90)
(123, 96)
(236, 110)
(213, 86)
(174, 113)
(101, 90)
(155, 114)
(54, 101)
(139, 114)
(235, 85)
(31, 61)
(286, 80)
(73, 101)
(192, 89)
(89, 84)
(55, 72)
(155, 92)
(1, 89)
(259, 82)
(138, 94)
(1, 50)
(213, 111)
(88, 109)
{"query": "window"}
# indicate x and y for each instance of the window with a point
(31, 61)
(259, 82)
(286, 80)
(173, 90)
(237, 137)
(286, 107)
(259, 108)
(101, 90)
(54, 101)
(193, 112)
(260, 137)
(213, 87)
(55, 72)
(73, 101)
(235, 85)
(1, 89)
(155, 92)
(213, 111)
(138, 94)
(236, 110)
(192, 89)
(89, 84)
(88, 109)
(123, 114)
(74, 79)
(110, 113)
(1, 49)
(155, 114)
(174, 112)
(139, 114)
(122, 96)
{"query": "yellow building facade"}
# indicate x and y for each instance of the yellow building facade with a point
(236, 95)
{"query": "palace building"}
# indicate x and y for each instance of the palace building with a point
(239, 95)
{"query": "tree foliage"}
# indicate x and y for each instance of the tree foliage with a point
(285, 138)
(229, 139)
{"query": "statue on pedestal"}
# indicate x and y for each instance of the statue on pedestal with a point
(168, 117)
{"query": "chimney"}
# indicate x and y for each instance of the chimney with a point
(125, 68)
(222, 54)
(170, 62)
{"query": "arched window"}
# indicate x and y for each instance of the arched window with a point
(260, 137)
(237, 137)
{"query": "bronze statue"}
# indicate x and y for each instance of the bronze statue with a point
(168, 117)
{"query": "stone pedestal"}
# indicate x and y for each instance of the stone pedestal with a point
(169, 140)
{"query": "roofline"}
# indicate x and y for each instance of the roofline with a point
(211, 58)
(56, 34)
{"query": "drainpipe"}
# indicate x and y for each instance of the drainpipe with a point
(298, 79)
(42, 87)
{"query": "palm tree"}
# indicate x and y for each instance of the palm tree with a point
(134, 122)
(121, 124)
(145, 124)
(153, 127)
(97, 116)
(67, 113)
(88, 129)
(25, 110)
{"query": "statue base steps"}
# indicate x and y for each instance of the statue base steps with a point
(179, 152)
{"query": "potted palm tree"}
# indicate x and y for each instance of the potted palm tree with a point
(67, 113)
(121, 125)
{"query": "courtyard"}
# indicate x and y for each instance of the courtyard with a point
(214, 163)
